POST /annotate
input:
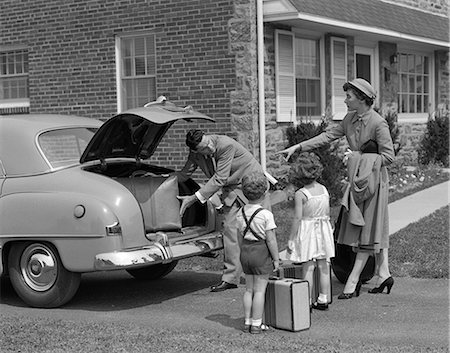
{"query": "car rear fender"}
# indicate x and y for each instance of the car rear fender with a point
(59, 214)
(75, 223)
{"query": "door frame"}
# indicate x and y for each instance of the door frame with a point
(374, 59)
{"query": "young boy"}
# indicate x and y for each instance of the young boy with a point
(259, 250)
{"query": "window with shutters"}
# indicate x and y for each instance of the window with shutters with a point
(298, 77)
(300, 89)
(137, 71)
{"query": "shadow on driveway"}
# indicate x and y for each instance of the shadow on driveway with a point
(117, 290)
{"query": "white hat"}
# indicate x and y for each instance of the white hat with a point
(364, 86)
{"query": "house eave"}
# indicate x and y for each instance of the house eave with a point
(285, 13)
(327, 25)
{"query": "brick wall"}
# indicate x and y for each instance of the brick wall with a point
(72, 65)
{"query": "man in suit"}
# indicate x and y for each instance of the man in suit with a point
(224, 161)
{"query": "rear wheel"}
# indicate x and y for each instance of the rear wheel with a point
(39, 277)
(153, 272)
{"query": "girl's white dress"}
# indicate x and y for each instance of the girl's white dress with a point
(314, 238)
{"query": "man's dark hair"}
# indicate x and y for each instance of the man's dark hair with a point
(193, 138)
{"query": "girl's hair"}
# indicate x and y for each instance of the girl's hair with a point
(359, 94)
(254, 185)
(305, 169)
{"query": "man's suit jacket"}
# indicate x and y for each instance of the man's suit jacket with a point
(232, 161)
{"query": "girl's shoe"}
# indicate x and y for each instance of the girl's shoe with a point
(259, 329)
(246, 328)
(388, 283)
(351, 295)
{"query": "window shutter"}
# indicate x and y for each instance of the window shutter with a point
(338, 77)
(285, 76)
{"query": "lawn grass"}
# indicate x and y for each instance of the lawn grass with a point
(421, 248)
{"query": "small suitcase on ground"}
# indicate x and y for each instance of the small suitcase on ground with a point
(296, 270)
(287, 304)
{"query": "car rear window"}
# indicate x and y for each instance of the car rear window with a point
(64, 147)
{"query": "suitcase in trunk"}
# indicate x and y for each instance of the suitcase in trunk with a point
(157, 197)
(287, 304)
(296, 270)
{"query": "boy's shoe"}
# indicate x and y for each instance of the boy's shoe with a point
(259, 329)
(246, 328)
(320, 306)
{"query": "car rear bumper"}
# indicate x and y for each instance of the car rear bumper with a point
(158, 252)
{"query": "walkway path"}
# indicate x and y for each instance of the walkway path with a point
(414, 207)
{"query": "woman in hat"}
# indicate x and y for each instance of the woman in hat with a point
(364, 223)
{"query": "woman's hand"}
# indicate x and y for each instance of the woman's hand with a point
(347, 155)
(289, 151)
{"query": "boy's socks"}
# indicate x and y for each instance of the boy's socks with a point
(248, 322)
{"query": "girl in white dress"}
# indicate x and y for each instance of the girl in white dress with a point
(311, 237)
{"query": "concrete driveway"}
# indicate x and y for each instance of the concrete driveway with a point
(415, 314)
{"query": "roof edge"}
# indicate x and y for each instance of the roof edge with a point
(348, 25)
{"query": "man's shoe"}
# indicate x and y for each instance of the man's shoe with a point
(223, 286)
(320, 306)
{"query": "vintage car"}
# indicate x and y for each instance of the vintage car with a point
(78, 195)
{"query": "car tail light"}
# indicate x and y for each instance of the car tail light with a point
(114, 229)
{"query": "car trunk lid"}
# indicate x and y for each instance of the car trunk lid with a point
(137, 132)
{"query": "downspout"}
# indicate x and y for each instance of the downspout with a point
(261, 98)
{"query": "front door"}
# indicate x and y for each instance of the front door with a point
(364, 62)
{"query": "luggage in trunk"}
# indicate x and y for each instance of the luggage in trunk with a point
(157, 197)
(287, 304)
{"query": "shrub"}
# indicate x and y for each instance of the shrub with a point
(433, 146)
(334, 170)
(391, 119)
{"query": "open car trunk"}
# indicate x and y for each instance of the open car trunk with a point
(122, 148)
(156, 190)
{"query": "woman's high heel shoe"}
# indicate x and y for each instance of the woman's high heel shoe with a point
(389, 282)
(350, 295)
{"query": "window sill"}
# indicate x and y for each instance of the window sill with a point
(14, 103)
(420, 118)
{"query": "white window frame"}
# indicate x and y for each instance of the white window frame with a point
(337, 101)
(16, 102)
(119, 64)
(320, 42)
(419, 117)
